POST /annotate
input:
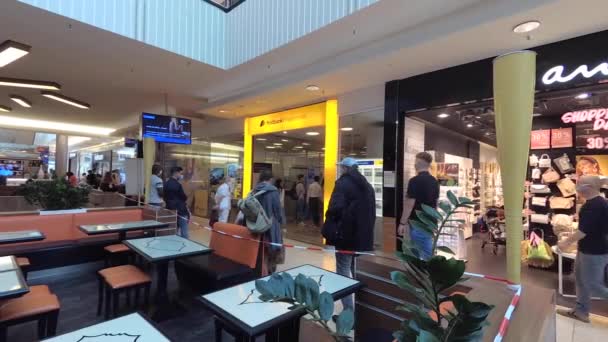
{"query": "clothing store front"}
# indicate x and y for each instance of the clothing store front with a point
(450, 113)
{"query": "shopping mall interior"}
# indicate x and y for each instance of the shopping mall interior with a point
(243, 170)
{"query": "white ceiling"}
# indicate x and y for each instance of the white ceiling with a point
(392, 39)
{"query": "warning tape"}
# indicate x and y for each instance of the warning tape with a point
(506, 318)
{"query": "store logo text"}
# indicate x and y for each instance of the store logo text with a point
(556, 74)
(599, 117)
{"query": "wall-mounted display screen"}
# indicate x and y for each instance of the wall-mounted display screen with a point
(166, 129)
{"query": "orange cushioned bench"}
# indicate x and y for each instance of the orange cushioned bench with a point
(61, 231)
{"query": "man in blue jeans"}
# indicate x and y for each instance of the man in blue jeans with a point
(175, 199)
(591, 262)
(421, 189)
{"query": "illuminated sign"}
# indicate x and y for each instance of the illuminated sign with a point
(556, 74)
(598, 116)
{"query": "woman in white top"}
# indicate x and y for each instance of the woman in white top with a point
(223, 199)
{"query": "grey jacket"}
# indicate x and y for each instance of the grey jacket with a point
(271, 203)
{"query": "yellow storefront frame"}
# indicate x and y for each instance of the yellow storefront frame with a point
(316, 115)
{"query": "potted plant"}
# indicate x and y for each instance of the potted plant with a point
(303, 292)
(55, 196)
(429, 280)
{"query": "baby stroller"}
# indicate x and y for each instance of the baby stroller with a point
(496, 229)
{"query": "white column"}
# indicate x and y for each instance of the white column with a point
(61, 155)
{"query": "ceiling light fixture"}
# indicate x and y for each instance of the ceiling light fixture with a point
(5, 108)
(284, 132)
(270, 147)
(346, 129)
(21, 101)
(13, 121)
(443, 115)
(312, 134)
(536, 115)
(65, 99)
(469, 125)
(11, 51)
(527, 26)
(278, 144)
(305, 144)
(582, 96)
(313, 87)
(21, 83)
(284, 140)
(299, 147)
(223, 111)
(261, 139)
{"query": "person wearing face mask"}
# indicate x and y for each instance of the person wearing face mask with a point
(591, 262)
(421, 189)
(175, 199)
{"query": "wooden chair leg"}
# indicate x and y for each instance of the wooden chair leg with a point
(115, 303)
(42, 328)
(51, 324)
(100, 296)
(108, 302)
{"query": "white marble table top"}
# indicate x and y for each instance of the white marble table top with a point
(124, 226)
(166, 247)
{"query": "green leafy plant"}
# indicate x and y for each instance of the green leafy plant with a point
(429, 281)
(303, 292)
(56, 194)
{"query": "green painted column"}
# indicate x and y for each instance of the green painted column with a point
(514, 84)
(149, 158)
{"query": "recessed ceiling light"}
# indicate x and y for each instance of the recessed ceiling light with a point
(21, 101)
(312, 133)
(477, 117)
(270, 147)
(261, 139)
(5, 108)
(346, 129)
(284, 132)
(13, 121)
(278, 144)
(65, 99)
(536, 115)
(20, 83)
(488, 133)
(582, 96)
(443, 115)
(313, 87)
(11, 51)
(223, 111)
(284, 140)
(298, 147)
(527, 26)
(305, 144)
(469, 125)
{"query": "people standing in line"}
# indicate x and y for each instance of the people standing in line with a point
(279, 185)
(107, 184)
(315, 192)
(71, 178)
(156, 187)
(223, 200)
(591, 262)
(421, 189)
(91, 179)
(301, 201)
(175, 199)
(271, 203)
(350, 219)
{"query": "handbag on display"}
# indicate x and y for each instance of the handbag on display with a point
(544, 161)
(539, 218)
(533, 160)
(536, 173)
(539, 201)
(550, 176)
(567, 187)
(540, 189)
(564, 165)
(561, 203)
(562, 220)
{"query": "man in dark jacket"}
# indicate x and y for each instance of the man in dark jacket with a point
(350, 219)
(175, 199)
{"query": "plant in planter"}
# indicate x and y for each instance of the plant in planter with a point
(428, 280)
(303, 292)
(56, 194)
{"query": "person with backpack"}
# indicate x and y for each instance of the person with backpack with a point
(262, 212)
(350, 219)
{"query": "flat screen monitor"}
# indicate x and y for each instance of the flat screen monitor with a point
(166, 129)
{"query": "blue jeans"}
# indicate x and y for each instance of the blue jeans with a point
(182, 227)
(301, 210)
(589, 271)
(345, 265)
(423, 241)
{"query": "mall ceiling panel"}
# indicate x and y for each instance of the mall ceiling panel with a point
(16, 137)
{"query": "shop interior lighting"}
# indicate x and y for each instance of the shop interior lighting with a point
(21, 83)
(223, 111)
(313, 87)
(527, 26)
(11, 51)
(536, 115)
(346, 129)
(270, 147)
(12, 121)
(5, 108)
(261, 139)
(582, 96)
(312, 134)
(299, 147)
(443, 115)
(66, 100)
(21, 101)
(278, 144)
(305, 144)
(284, 140)
(469, 125)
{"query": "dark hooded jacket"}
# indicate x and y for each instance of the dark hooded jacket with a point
(352, 213)
(271, 203)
